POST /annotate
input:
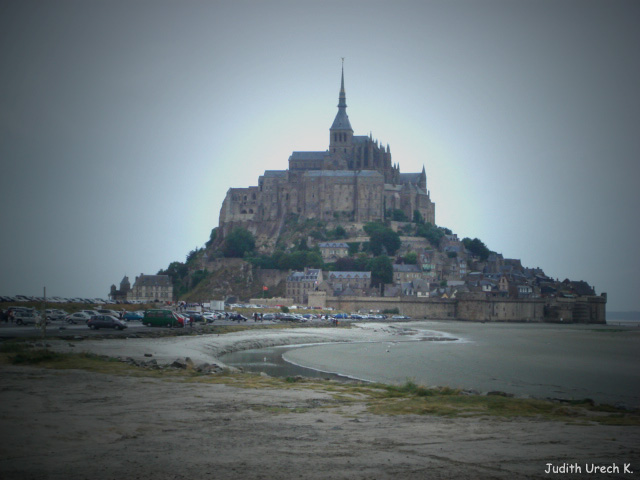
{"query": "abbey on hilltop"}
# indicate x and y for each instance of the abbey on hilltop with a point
(353, 181)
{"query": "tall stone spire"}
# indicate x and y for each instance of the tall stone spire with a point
(342, 98)
(341, 121)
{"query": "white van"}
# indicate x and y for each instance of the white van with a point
(27, 317)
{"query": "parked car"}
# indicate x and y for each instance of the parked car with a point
(78, 317)
(182, 318)
(106, 311)
(238, 317)
(162, 318)
(210, 317)
(27, 317)
(106, 321)
(133, 316)
(195, 316)
(55, 314)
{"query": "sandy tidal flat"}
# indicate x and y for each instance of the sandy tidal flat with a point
(70, 424)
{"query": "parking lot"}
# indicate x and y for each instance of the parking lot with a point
(59, 328)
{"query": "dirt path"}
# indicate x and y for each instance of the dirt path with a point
(80, 425)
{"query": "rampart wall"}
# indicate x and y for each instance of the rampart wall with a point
(479, 308)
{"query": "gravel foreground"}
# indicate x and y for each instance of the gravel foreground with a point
(72, 424)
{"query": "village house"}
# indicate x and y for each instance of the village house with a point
(349, 283)
(331, 251)
(405, 273)
(299, 284)
(151, 288)
(416, 288)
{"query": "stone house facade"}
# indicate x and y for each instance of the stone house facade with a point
(331, 251)
(300, 284)
(406, 273)
(352, 283)
(151, 288)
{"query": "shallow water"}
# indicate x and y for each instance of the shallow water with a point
(270, 361)
(540, 360)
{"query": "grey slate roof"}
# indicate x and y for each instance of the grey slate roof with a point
(307, 155)
(341, 122)
(343, 173)
(347, 275)
(153, 280)
(275, 173)
(311, 275)
(410, 178)
(405, 268)
(333, 245)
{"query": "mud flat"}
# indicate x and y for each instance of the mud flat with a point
(72, 424)
(208, 348)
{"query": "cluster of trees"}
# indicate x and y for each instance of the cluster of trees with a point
(239, 243)
(476, 247)
(382, 239)
(181, 279)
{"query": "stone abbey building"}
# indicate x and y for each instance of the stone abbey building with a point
(353, 181)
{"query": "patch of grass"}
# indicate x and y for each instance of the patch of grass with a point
(34, 357)
(250, 325)
(280, 410)
(410, 388)
(13, 347)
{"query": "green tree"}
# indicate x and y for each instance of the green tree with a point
(314, 259)
(339, 232)
(354, 247)
(197, 277)
(431, 232)
(411, 258)
(381, 270)
(212, 237)
(192, 254)
(371, 227)
(477, 248)
(298, 260)
(399, 215)
(239, 242)
(382, 237)
(302, 244)
(176, 270)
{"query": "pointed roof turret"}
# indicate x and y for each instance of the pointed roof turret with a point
(341, 122)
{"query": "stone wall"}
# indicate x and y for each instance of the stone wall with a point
(272, 302)
(270, 277)
(479, 308)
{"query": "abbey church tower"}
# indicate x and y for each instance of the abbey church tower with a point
(353, 181)
(341, 133)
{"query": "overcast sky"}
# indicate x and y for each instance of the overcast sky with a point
(123, 124)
